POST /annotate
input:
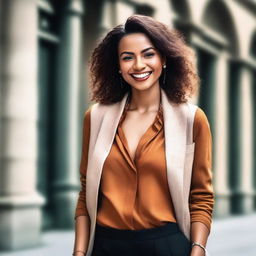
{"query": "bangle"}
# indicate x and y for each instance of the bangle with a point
(78, 251)
(201, 246)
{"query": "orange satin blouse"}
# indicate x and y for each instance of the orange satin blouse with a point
(135, 194)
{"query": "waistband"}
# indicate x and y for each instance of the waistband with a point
(169, 228)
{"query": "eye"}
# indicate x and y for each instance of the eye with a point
(127, 58)
(149, 54)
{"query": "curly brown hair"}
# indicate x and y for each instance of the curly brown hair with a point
(181, 74)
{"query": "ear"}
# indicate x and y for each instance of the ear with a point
(163, 60)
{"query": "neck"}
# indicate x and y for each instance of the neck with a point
(145, 101)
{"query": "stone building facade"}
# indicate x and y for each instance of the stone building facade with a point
(44, 52)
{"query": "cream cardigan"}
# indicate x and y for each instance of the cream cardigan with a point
(179, 151)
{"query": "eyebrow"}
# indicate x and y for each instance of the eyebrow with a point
(131, 53)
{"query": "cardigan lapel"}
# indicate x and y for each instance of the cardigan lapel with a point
(104, 122)
(175, 124)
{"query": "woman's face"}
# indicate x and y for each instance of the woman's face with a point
(139, 61)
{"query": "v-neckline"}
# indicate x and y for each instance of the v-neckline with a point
(126, 145)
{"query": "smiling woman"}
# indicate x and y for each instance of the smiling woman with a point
(146, 181)
(139, 61)
(180, 79)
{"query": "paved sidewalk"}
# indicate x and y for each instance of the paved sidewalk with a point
(234, 236)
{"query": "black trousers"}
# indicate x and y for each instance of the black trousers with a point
(167, 240)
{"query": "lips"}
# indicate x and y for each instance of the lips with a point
(141, 76)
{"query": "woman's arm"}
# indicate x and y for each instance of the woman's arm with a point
(82, 234)
(199, 234)
(82, 225)
(201, 191)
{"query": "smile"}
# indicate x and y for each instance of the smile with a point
(141, 76)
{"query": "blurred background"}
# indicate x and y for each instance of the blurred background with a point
(44, 51)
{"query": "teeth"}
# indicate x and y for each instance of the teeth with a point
(141, 75)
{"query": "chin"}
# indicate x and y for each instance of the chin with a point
(142, 88)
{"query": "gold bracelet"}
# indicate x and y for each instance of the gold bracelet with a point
(78, 251)
(201, 246)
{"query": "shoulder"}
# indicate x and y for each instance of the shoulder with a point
(201, 118)
(95, 110)
(88, 111)
(99, 109)
(201, 124)
(198, 115)
(87, 115)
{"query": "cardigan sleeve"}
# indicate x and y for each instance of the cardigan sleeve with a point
(81, 202)
(201, 199)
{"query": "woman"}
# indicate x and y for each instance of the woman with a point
(146, 159)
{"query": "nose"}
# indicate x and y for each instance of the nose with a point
(138, 64)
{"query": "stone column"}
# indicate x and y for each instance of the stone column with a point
(65, 185)
(242, 196)
(212, 97)
(20, 204)
(254, 131)
(220, 141)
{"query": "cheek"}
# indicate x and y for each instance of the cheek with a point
(125, 66)
(156, 64)
(125, 71)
